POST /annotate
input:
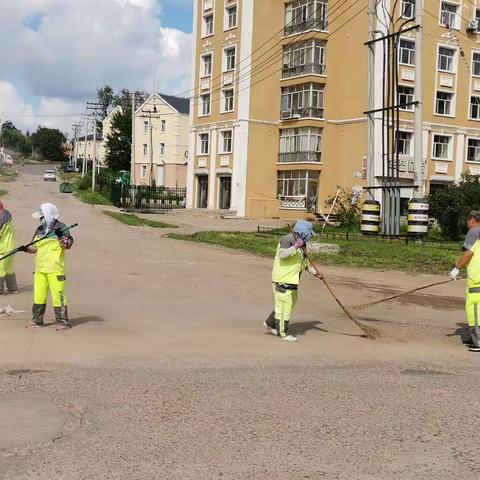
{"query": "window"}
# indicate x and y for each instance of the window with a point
(145, 149)
(231, 17)
(406, 52)
(477, 17)
(300, 145)
(302, 101)
(229, 59)
(303, 15)
(445, 59)
(475, 107)
(145, 126)
(228, 98)
(208, 25)
(408, 8)
(476, 65)
(227, 141)
(206, 65)
(204, 139)
(143, 172)
(403, 145)
(298, 189)
(449, 16)
(304, 58)
(441, 147)
(163, 125)
(162, 149)
(473, 150)
(443, 104)
(205, 101)
(405, 95)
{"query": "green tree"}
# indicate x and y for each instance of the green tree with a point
(105, 97)
(14, 139)
(48, 143)
(346, 207)
(118, 146)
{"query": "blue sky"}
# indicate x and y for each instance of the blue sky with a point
(178, 14)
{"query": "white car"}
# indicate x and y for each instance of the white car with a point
(49, 175)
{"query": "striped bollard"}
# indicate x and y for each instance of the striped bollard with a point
(370, 224)
(417, 217)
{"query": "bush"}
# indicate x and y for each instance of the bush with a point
(84, 183)
(347, 208)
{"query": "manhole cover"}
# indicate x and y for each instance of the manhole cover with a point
(29, 420)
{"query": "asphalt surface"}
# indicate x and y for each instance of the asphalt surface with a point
(167, 373)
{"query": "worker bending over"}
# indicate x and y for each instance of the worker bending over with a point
(8, 279)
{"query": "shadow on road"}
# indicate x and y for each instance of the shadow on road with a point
(301, 328)
(462, 331)
(76, 322)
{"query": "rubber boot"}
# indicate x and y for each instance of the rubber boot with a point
(270, 321)
(38, 311)
(61, 316)
(11, 283)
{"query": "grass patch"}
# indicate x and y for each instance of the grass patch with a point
(364, 253)
(3, 192)
(92, 198)
(135, 221)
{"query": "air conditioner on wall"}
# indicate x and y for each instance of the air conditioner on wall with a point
(472, 25)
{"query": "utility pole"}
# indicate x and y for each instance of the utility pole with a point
(132, 154)
(371, 96)
(418, 91)
(95, 107)
(150, 114)
(76, 127)
(84, 163)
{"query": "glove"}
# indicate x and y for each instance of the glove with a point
(65, 242)
(22, 248)
(298, 244)
(454, 273)
(59, 232)
(32, 249)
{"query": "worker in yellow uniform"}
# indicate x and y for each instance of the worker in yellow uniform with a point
(8, 279)
(290, 261)
(471, 260)
(50, 266)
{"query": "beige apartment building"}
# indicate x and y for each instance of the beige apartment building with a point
(89, 149)
(278, 122)
(161, 141)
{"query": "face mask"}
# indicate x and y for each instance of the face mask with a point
(43, 222)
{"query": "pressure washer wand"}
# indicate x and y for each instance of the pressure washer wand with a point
(23, 248)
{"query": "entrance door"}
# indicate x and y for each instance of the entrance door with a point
(225, 193)
(161, 176)
(202, 191)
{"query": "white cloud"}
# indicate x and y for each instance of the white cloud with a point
(79, 45)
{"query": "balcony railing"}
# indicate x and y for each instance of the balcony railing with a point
(294, 202)
(304, 112)
(311, 24)
(300, 157)
(307, 69)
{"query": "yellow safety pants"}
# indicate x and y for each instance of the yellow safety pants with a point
(43, 282)
(285, 301)
(472, 308)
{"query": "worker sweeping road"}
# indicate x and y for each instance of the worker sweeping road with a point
(290, 261)
(471, 260)
(8, 280)
(50, 266)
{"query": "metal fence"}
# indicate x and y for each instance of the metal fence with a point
(146, 199)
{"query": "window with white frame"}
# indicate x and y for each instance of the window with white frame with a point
(145, 149)
(477, 17)
(204, 143)
(226, 139)
(476, 64)
(403, 144)
(405, 96)
(298, 189)
(206, 68)
(475, 107)
(143, 171)
(406, 52)
(163, 126)
(300, 145)
(230, 17)
(473, 150)
(229, 59)
(205, 104)
(302, 101)
(207, 5)
(449, 15)
(162, 149)
(441, 147)
(208, 25)
(408, 8)
(446, 59)
(228, 100)
(145, 126)
(303, 15)
(304, 58)
(443, 103)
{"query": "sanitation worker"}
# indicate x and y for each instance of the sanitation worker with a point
(290, 261)
(8, 279)
(471, 260)
(50, 266)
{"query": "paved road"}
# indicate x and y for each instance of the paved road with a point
(167, 373)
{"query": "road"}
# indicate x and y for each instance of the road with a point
(167, 373)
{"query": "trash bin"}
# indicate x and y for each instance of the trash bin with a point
(66, 187)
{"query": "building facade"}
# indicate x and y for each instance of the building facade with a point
(89, 149)
(277, 120)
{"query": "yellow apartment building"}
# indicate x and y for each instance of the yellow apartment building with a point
(277, 119)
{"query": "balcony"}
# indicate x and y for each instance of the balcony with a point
(307, 69)
(298, 202)
(311, 24)
(300, 157)
(303, 112)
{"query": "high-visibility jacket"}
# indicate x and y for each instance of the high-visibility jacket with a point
(287, 270)
(50, 257)
(7, 244)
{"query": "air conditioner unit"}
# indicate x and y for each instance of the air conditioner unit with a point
(472, 25)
